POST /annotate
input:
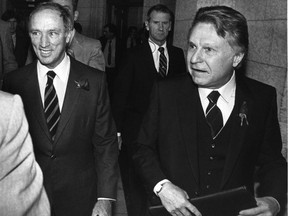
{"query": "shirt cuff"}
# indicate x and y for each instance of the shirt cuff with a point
(159, 184)
(276, 202)
(108, 199)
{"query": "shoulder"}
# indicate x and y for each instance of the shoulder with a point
(83, 69)
(254, 87)
(9, 103)
(87, 42)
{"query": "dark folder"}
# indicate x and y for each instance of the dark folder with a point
(225, 203)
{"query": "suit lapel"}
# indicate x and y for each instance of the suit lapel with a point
(34, 101)
(187, 110)
(70, 100)
(238, 131)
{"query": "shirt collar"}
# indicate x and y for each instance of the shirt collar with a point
(61, 70)
(155, 46)
(226, 91)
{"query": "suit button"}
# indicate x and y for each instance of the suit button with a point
(196, 193)
(207, 186)
(209, 173)
(211, 158)
(53, 157)
(213, 146)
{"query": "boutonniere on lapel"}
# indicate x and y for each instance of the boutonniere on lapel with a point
(243, 113)
(82, 84)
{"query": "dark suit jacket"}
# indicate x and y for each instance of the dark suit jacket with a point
(133, 86)
(80, 165)
(167, 142)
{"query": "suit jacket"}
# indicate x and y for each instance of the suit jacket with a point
(80, 165)
(21, 180)
(7, 58)
(135, 81)
(167, 143)
(88, 51)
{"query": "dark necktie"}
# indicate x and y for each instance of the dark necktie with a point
(162, 62)
(109, 52)
(51, 105)
(213, 114)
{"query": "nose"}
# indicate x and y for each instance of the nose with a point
(161, 26)
(44, 41)
(196, 56)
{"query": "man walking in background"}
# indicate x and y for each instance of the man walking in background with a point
(153, 60)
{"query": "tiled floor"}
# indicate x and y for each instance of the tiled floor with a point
(120, 207)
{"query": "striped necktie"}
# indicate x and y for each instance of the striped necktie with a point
(51, 105)
(162, 62)
(213, 114)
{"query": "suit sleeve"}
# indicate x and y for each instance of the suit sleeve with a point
(272, 165)
(105, 146)
(21, 180)
(146, 154)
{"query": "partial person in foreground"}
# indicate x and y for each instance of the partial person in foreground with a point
(21, 179)
(213, 129)
(71, 125)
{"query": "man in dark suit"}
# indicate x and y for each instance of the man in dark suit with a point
(132, 92)
(182, 154)
(74, 135)
(7, 59)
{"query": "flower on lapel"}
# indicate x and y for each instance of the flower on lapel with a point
(83, 84)
(243, 113)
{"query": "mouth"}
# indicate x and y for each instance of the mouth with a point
(45, 52)
(197, 70)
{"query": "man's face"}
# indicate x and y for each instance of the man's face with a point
(109, 35)
(210, 58)
(69, 6)
(48, 37)
(158, 26)
(13, 25)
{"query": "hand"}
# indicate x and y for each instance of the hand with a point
(175, 200)
(102, 208)
(119, 138)
(266, 206)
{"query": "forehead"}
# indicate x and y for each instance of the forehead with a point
(205, 33)
(47, 19)
(65, 3)
(159, 16)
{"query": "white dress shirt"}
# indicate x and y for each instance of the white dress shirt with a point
(60, 81)
(226, 100)
(156, 54)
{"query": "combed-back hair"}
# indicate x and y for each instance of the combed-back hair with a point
(159, 8)
(64, 13)
(229, 24)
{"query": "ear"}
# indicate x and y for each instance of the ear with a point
(170, 24)
(237, 59)
(146, 25)
(69, 36)
(76, 15)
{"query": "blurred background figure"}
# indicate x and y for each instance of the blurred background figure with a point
(132, 37)
(7, 59)
(78, 27)
(110, 48)
(20, 37)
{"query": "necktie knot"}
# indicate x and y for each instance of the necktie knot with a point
(51, 75)
(161, 50)
(213, 97)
